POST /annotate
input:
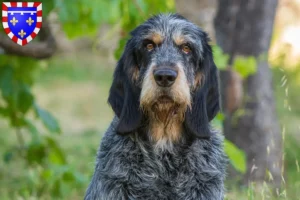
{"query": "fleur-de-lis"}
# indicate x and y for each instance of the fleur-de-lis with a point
(14, 21)
(29, 21)
(22, 33)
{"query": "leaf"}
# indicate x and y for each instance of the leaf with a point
(218, 121)
(100, 12)
(115, 11)
(220, 116)
(6, 81)
(82, 29)
(220, 58)
(36, 153)
(47, 175)
(81, 18)
(57, 189)
(33, 130)
(25, 98)
(56, 154)
(4, 111)
(245, 66)
(170, 5)
(236, 156)
(68, 176)
(24, 68)
(17, 121)
(119, 50)
(48, 120)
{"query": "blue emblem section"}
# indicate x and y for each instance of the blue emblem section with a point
(22, 21)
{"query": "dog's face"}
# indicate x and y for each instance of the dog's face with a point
(166, 72)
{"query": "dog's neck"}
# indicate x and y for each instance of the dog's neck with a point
(166, 123)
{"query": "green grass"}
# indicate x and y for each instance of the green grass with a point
(288, 108)
(75, 90)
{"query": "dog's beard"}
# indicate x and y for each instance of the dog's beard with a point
(166, 117)
(165, 108)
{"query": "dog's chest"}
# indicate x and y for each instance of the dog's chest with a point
(163, 174)
(185, 172)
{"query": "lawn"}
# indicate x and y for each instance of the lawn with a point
(75, 89)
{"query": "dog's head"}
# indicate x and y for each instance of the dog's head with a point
(166, 70)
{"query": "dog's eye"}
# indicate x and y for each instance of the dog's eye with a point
(186, 49)
(150, 46)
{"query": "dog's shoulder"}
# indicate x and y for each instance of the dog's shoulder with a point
(210, 152)
(114, 147)
(110, 137)
(214, 142)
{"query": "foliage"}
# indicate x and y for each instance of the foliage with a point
(245, 66)
(42, 152)
(236, 156)
(16, 79)
(221, 59)
(84, 17)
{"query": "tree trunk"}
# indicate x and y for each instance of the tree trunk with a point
(244, 28)
(201, 12)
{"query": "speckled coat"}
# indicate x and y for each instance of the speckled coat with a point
(128, 168)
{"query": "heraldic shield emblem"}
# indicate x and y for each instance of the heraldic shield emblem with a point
(22, 20)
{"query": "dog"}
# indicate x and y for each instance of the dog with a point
(160, 144)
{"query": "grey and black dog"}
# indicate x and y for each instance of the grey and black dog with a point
(160, 145)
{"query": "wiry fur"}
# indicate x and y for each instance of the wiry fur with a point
(131, 168)
(160, 145)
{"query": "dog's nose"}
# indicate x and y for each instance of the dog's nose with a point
(165, 77)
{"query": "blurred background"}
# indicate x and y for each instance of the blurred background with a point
(53, 93)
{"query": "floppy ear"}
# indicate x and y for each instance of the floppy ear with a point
(124, 95)
(205, 101)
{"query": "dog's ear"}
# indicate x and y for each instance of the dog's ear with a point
(205, 101)
(124, 95)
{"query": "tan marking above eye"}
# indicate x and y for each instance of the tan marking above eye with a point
(179, 40)
(157, 38)
(150, 47)
(186, 49)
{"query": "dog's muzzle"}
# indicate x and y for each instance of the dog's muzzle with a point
(165, 77)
